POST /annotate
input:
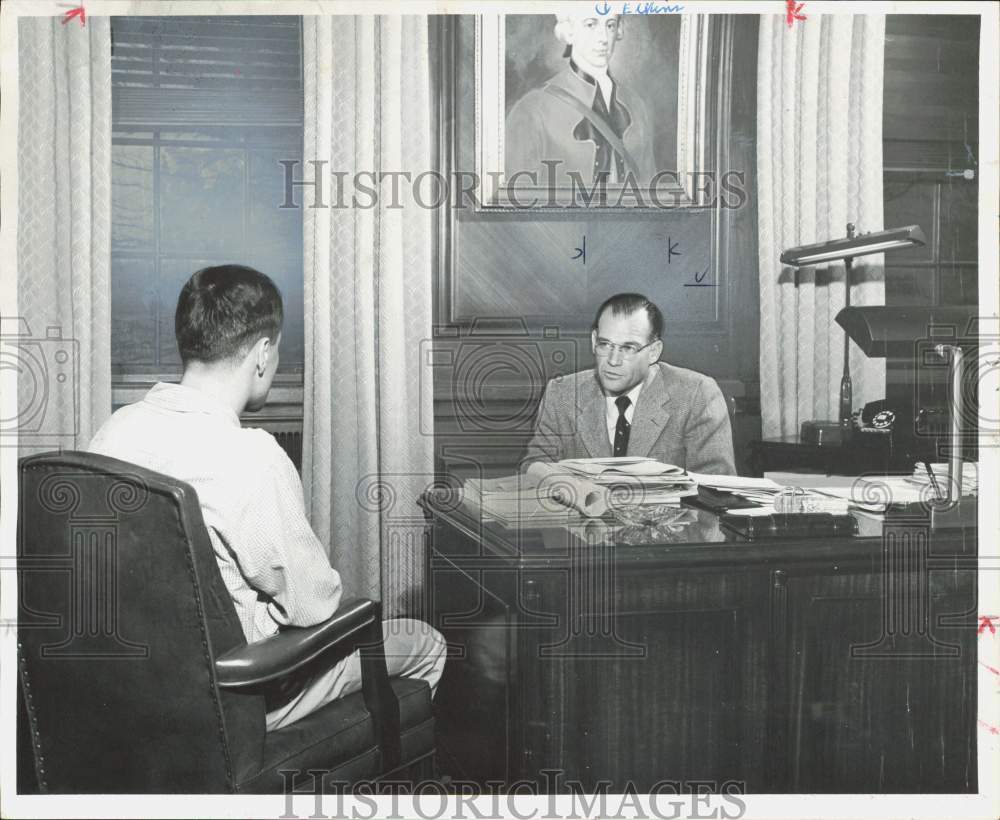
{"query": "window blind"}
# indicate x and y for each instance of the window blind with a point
(239, 71)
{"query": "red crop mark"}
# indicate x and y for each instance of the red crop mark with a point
(991, 729)
(78, 11)
(987, 621)
(792, 12)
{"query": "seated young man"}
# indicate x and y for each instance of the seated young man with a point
(228, 328)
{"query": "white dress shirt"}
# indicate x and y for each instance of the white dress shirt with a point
(273, 565)
(612, 410)
(606, 85)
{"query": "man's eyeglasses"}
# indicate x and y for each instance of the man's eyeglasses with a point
(602, 347)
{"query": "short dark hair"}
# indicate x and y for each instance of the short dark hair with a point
(623, 304)
(223, 310)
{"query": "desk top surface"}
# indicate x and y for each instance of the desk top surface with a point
(685, 534)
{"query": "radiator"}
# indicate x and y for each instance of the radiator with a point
(291, 443)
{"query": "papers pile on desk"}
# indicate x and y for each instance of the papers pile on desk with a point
(554, 494)
(630, 480)
(621, 467)
(875, 493)
(514, 500)
(753, 496)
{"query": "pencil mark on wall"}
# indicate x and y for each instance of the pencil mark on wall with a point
(672, 249)
(699, 281)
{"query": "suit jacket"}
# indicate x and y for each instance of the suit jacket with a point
(680, 418)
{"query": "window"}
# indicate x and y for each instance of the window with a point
(203, 109)
(930, 149)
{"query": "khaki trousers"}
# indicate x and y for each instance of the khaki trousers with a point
(413, 649)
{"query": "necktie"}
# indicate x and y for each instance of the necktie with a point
(623, 427)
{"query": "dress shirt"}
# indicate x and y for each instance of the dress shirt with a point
(607, 86)
(251, 499)
(612, 411)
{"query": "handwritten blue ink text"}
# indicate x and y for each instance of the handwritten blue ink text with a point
(606, 8)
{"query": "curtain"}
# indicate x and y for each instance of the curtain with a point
(367, 423)
(819, 159)
(64, 232)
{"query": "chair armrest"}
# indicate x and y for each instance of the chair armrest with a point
(357, 624)
(293, 647)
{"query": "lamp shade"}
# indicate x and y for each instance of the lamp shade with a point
(882, 330)
(852, 246)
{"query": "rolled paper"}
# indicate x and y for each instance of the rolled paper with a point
(582, 495)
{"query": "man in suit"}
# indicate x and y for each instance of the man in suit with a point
(631, 403)
(581, 117)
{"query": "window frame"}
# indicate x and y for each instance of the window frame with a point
(154, 112)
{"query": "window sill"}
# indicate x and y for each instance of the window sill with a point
(283, 409)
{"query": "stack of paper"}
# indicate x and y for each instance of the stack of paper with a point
(518, 500)
(870, 493)
(621, 467)
(756, 491)
(631, 480)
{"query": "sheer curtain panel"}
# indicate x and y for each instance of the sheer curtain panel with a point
(368, 425)
(64, 232)
(819, 159)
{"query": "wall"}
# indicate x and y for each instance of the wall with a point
(930, 137)
(930, 147)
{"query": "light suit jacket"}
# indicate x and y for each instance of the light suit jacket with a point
(680, 418)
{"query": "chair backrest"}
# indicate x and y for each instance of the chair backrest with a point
(121, 613)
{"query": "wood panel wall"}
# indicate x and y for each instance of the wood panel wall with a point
(930, 141)
(930, 155)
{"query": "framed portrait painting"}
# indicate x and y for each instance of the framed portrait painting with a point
(591, 110)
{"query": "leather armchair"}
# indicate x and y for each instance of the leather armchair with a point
(135, 676)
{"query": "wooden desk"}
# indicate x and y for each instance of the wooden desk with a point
(786, 667)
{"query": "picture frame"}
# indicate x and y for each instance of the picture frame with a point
(661, 69)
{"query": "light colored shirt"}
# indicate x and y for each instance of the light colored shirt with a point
(606, 85)
(251, 499)
(612, 410)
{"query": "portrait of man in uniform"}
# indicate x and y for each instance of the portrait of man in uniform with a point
(591, 94)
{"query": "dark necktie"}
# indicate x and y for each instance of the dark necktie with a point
(623, 427)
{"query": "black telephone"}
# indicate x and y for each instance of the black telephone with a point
(875, 417)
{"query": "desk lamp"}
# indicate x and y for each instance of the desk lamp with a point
(847, 249)
(894, 331)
